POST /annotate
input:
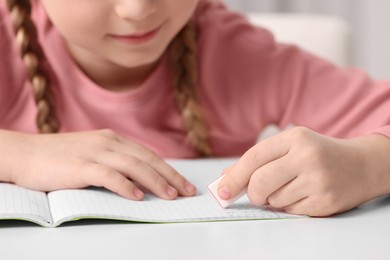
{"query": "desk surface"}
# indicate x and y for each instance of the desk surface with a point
(363, 233)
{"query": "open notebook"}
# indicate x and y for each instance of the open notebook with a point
(54, 208)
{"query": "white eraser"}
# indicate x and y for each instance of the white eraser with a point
(213, 188)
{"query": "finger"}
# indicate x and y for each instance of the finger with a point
(102, 176)
(264, 152)
(268, 179)
(310, 206)
(289, 194)
(227, 170)
(140, 172)
(183, 186)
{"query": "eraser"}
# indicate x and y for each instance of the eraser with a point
(213, 188)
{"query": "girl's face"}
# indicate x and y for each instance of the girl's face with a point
(128, 33)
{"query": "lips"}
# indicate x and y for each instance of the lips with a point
(137, 38)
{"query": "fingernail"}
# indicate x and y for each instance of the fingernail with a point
(224, 193)
(189, 187)
(172, 192)
(138, 194)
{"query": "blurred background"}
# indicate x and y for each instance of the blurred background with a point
(368, 20)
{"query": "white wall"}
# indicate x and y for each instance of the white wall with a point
(369, 21)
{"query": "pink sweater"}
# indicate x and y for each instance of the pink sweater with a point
(247, 81)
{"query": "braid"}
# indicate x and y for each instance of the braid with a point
(33, 57)
(183, 55)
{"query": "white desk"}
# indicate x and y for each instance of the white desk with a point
(363, 233)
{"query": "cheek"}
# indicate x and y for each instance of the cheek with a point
(79, 30)
(182, 11)
(75, 21)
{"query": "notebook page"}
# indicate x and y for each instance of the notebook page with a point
(99, 203)
(20, 203)
(95, 203)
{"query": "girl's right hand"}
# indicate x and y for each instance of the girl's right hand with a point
(76, 160)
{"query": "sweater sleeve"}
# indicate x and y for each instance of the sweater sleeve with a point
(12, 71)
(331, 100)
(249, 81)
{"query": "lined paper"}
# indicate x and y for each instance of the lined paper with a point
(67, 205)
(20, 203)
(99, 203)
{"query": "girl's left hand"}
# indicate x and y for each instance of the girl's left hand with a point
(306, 173)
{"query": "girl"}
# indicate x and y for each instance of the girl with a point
(182, 79)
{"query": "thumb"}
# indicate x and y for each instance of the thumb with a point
(259, 155)
(231, 184)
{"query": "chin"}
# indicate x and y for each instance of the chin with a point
(139, 61)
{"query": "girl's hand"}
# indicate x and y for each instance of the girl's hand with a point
(303, 172)
(77, 160)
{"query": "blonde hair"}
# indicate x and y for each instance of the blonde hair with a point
(183, 54)
(34, 59)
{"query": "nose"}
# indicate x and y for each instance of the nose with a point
(136, 10)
